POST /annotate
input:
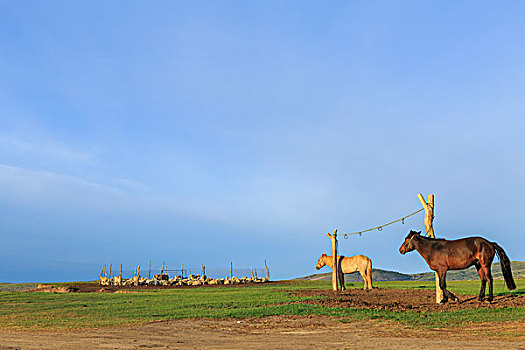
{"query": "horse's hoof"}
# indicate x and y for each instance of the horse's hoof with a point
(480, 299)
(489, 300)
(443, 301)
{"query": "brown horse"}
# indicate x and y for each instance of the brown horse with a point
(349, 264)
(442, 255)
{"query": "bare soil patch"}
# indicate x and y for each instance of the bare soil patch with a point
(275, 332)
(406, 300)
(53, 289)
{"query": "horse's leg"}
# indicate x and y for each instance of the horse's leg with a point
(442, 274)
(369, 274)
(483, 279)
(489, 276)
(452, 296)
(363, 275)
(341, 275)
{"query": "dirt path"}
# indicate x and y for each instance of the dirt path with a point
(276, 332)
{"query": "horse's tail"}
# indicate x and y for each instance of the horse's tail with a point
(505, 266)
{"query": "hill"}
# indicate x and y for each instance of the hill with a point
(518, 271)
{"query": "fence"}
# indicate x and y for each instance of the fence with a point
(214, 272)
(182, 276)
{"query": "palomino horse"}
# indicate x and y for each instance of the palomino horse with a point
(442, 255)
(349, 264)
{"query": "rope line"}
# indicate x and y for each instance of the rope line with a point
(380, 228)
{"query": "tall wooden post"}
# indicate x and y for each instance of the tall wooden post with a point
(231, 270)
(181, 271)
(333, 238)
(429, 213)
(149, 270)
(136, 277)
(120, 283)
(203, 273)
(110, 265)
(267, 271)
(429, 220)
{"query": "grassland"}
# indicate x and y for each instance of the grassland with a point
(16, 287)
(57, 311)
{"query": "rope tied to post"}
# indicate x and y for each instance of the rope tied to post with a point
(380, 227)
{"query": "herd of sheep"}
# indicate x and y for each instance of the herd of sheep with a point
(163, 279)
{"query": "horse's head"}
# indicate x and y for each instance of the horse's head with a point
(408, 245)
(320, 262)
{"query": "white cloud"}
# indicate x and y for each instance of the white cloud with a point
(47, 188)
(22, 136)
(43, 147)
(132, 184)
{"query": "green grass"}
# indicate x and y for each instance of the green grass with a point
(16, 287)
(91, 310)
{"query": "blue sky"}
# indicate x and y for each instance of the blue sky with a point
(202, 133)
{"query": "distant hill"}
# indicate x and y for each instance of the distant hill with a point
(518, 271)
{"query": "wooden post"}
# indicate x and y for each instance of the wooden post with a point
(429, 221)
(110, 265)
(429, 213)
(181, 271)
(253, 276)
(267, 271)
(162, 271)
(149, 270)
(231, 270)
(136, 276)
(333, 238)
(120, 275)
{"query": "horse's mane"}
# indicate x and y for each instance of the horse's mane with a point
(432, 239)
